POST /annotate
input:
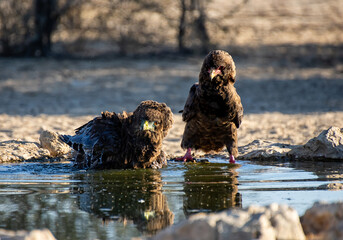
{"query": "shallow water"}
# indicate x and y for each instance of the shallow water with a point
(114, 204)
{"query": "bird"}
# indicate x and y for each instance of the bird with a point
(213, 110)
(123, 140)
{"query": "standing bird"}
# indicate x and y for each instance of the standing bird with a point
(127, 140)
(213, 110)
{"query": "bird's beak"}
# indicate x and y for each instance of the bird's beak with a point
(214, 72)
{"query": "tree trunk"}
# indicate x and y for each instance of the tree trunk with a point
(182, 27)
(45, 20)
(200, 25)
(193, 20)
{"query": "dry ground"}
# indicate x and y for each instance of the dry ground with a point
(285, 103)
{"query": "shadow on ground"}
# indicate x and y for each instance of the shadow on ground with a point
(285, 79)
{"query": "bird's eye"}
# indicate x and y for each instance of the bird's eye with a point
(221, 68)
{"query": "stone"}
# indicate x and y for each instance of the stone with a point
(17, 150)
(324, 221)
(50, 141)
(255, 222)
(328, 145)
(196, 228)
(43, 234)
(335, 186)
(262, 149)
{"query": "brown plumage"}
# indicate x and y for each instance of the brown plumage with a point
(127, 140)
(213, 110)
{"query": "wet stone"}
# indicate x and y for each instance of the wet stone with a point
(205, 160)
(324, 221)
(262, 149)
(17, 150)
(255, 222)
(328, 145)
(332, 186)
(50, 141)
(24, 235)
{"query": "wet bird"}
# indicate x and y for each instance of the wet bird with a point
(213, 110)
(126, 140)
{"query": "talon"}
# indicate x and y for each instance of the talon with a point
(187, 158)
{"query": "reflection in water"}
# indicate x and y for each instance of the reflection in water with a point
(125, 196)
(210, 188)
(75, 204)
(324, 170)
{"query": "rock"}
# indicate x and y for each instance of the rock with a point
(335, 186)
(17, 150)
(50, 140)
(328, 145)
(43, 234)
(193, 229)
(271, 222)
(324, 221)
(261, 149)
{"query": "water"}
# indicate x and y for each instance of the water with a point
(121, 204)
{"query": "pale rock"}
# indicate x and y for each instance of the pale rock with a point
(17, 150)
(334, 186)
(324, 221)
(50, 140)
(271, 222)
(43, 234)
(262, 149)
(328, 145)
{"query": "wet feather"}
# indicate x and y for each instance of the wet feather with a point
(122, 140)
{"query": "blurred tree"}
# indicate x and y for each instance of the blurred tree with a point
(104, 27)
(196, 27)
(125, 27)
(26, 28)
(14, 26)
(45, 21)
(137, 29)
(47, 15)
(193, 19)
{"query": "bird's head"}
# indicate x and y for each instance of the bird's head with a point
(152, 120)
(218, 69)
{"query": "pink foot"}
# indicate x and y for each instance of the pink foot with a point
(187, 158)
(232, 159)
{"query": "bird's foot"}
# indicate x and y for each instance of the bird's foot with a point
(232, 159)
(187, 158)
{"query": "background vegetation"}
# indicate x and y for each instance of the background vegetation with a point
(88, 28)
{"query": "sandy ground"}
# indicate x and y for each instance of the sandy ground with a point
(283, 103)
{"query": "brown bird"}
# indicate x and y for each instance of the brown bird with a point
(127, 140)
(213, 110)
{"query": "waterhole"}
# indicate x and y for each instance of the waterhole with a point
(121, 204)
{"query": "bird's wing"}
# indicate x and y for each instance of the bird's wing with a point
(81, 139)
(101, 133)
(191, 104)
(239, 116)
(235, 108)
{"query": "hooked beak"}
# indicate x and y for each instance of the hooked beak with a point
(214, 72)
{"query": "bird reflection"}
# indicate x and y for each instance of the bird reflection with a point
(126, 196)
(210, 187)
